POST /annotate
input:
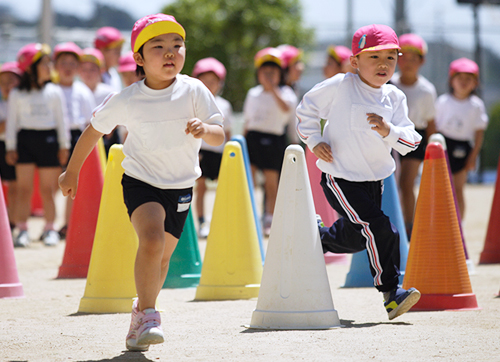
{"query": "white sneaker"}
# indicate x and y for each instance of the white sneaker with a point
(149, 330)
(22, 239)
(51, 238)
(131, 340)
(204, 230)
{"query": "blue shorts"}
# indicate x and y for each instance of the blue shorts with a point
(175, 202)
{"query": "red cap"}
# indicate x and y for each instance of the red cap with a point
(127, 63)
(68, 47)
(150, 26)
(267, 55)
(374, 37)
(463, 65)
(434, 151)
(413, 42)
(30, 53)
(92, 55)
(209, 65)
(11, 67)
(340, 53)
(108, 37)
(289, 55)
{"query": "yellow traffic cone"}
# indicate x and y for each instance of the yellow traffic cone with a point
(110, 282)
(232, 266)
(295, 292)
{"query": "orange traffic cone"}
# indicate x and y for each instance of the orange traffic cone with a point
(83, 219)
(491, 250)
(10, 287)
(436, 263)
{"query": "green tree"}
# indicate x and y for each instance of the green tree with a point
(232, 31)
(491, 145)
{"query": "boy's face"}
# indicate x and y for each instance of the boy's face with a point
(111, 56)
(375, 68)
(67, 66)
(163, 58)
(410, 62)
(90, 74)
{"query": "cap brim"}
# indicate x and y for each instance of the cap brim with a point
(155, 29)
(379, 47)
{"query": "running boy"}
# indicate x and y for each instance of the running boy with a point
(366, 118)
(167, 115)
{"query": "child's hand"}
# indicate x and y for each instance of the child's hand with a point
(196, 127)
(378, 124)
(11, 157)
(323, 151)
(68, 183)
(470, 163)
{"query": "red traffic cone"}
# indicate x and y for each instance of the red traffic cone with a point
(83, 219)
(10, 287)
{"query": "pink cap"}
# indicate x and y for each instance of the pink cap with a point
(209, 65)
(267, 55)
(340, 53)
(150, 26)
(30, 53)
(68, 47)
(11, 67)
(374, 37)
(289, 55)
(413, 42)
(108, 37)
(463, 65)
(92, 55)
(127, 63)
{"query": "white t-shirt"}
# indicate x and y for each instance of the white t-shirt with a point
(37, 110)
(262, 113)
(421, 97)
(80, 102)
(157, 149)
(359, 152)
(112, 78)
(460, 119)
(227, 112)
(101, 92)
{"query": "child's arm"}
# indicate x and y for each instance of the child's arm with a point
(213, 134)
(68, 181)
(478, 143)
(323, 151)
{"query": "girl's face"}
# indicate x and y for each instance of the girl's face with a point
(269, 76)
(375, 68)
(331, 67)
(163, 58)
(463, 84)
(409, 63)
(295, 72)
(67, 66)
(211, 81)
(90, 74)
(43, 69)
(8, 81)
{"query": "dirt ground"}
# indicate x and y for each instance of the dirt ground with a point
(45, 325)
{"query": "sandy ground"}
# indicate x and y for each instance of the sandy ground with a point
(45, 325)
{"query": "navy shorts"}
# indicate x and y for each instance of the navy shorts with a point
(7, 172)
(38, 147)
(175, 202)
(210, 164)
(458, 151)
(266, 151)
(419, 153)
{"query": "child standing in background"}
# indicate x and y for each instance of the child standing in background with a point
(337, 61)
(212, 73)
(421, 96)
(78, 101)
(268, 109)
(109, 41)
(37, 136)
(461, 118)
(167, 115)
(91, 62)
(126, 68)
(10, 76)
(366, 119)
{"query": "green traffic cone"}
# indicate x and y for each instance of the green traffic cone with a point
(185, 264)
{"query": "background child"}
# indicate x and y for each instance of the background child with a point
(109, 41)
(337, 61)
(212, 73)
(126, 68)
(78, 100)
(165, 116)
(421, 96)
(267, 111)
(37, 136)
(366, 118)
(292, 64)
(91, 62)
(10, 76)
(461, 118)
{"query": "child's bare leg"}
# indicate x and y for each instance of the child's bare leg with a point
(271, 188)
(170, 244)
(409, 172)
(48, 187)
(201, 188)
(459, 180)
(148, 221)
(24, 173)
